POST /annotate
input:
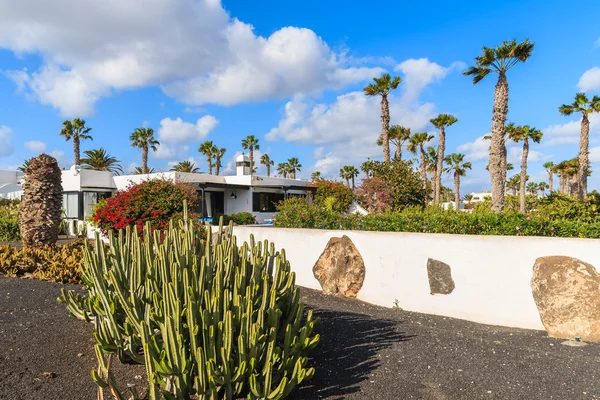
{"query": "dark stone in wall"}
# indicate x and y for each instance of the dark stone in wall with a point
(440, 277)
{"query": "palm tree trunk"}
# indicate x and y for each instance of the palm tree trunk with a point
(550, 180)
(456, 191)
(440, 166)
(584, 142)
(145, 159)
(347, 181)
(217, 167)
(398, 155)
(268, 170)
(523, 175)
(514, 189)
(76, 153)
(385, 127)
(497, 160)
(423, 167)
(352, 182)
(251, 154)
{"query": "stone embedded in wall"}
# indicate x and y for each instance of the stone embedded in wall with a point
(567, 294)
(440, 277)
(340, 269)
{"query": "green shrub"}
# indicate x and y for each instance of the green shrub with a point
(435, 220)
(9, 222)
(51, 263)
(328, 190)
(563, 207)
(209, 319)
(243, 218)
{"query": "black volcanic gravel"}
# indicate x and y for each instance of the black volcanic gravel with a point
(366, 352)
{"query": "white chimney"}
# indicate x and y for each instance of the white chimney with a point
(242, 165)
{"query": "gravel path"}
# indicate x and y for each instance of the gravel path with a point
(366, 352)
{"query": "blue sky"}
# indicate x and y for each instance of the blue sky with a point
(290, 73)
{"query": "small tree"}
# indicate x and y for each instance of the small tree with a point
(40, 211)
(330, 189)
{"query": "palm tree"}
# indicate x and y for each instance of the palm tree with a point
(100, 160)
(218, 153)
(398, 135)
(468, 198)
(208, 149)
(316, 176)
(77, 131)
(549, 166)
(144, 139)
(349, 172)
(267, 162)
(185, 166)
(367, 167)
(251, 144)
(499, 59)
(513, 184)
(382, 87)
(523, 134)
(283, 169)
(417, 143)
(585, 107)
(455, 164)
(23, 167)
(294, 166)
(432, 167)
(543, 186)
(532, 188)
(140, 171)
(441, 122)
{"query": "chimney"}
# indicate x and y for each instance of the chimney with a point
(242, 165)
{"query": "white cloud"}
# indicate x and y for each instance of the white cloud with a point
(568, 133)
(164, 152)
(514, 154)
(6, 142)
(60, 157)
(192, 49)
(35, 146)
(329, 166)
(176, 131)
(132, 166)
(590, 80)
(478, 150)
(420, 73)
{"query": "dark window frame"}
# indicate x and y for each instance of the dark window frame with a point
(266, 201)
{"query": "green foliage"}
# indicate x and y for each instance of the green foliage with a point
(558, 206)
(331, 189)
(9, 221)
(243, 218)
(436, 220)
(393, 185)
(209, 319)
(52, 263)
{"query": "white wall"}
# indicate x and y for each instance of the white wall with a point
(10, 176)
(492, 273)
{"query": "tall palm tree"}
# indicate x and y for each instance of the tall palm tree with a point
(513, 184)
(218, 153)
(100, 160)
(143, 138)
(441, 122)
(382, 87)
(294, 166)
(185, 166)
(585, 107)
(499, 59)
(316, 176)
(77, 131)
(251, 144)
(523, 134)
(283, 169)
(398, 135)
(349, 173)
(367, 167)
(140, 171)
(417, 143)
(549, 166)
(533, 188)
(543, 186)
(267, 162)
(432, 167)
(208, 150)
(456, 164)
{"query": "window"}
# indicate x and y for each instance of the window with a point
(266, 202)
(90, 199)
(70, 204)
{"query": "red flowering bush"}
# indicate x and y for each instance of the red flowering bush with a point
(154, 201)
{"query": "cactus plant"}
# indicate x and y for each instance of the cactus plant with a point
(209, 319)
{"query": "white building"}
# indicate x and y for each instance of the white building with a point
(258, 195)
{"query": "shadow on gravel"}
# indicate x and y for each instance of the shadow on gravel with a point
(347, 353)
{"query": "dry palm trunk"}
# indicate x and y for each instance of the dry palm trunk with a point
(456, 190)
(550, 180)
(217, 167)
(76, 151)
(398, 155)
(497, 161)
(523, 175)
(583, 157)
(145, 159)
(423, 167)
(268, 170)
(439, 166)
(385, 127)
(210, 165)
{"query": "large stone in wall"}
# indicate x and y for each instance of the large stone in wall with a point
(567, 294)
(340, 269)
(440, 277)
